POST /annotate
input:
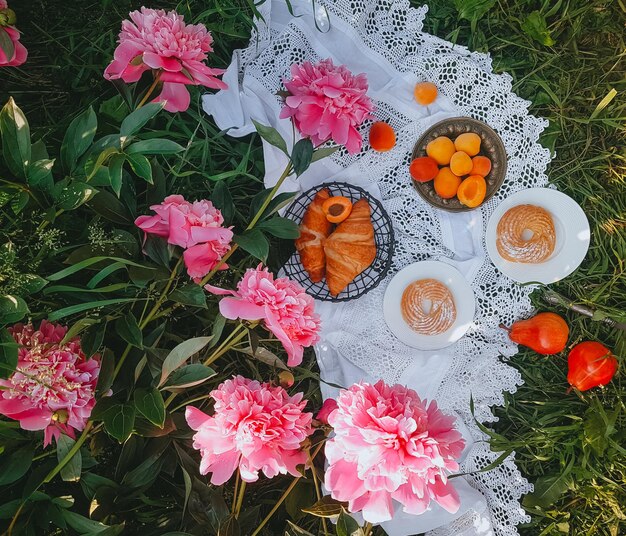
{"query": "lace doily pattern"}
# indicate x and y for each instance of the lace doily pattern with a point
(390, 32)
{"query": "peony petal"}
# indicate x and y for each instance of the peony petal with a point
(176, 96)
(412, 504)
(209, 234)
(220, 291)
(35, 419)
(378, 507)
(178, 77)
(51, 432)
(446, 495)
(155, 61)
(224, 467)
(195, 418)
(233, 308)
(343, 481)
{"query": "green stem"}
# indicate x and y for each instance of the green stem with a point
(166, 312)
(148, 318)
(367, 529)
(271, 195)
(277, 505)
(123, 357)
(45, 223)
(242, 490)
(254, 221)
(157, 79)
(285, 494)
(215, 356)
(43, 455)
(15, 518)
(221, 348)
(185, 403)
(235, 493)
(318, 492)
(163, 296)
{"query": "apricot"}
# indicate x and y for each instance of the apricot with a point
(337, 208)
(382, 137)
(423, 169)
(441, 149)
(425, 93)
(472, 191)
(460, 163)
(468, 143)
(481, 165)
(446, 183)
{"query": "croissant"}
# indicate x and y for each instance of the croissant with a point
(350, 249)
(314, 230)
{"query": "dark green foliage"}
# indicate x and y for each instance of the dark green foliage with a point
(75, 187)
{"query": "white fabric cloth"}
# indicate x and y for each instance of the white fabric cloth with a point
(384, 39)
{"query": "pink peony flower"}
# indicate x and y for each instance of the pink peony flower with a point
(329, 405)
(154, 39)
(389, 445)
(327, 101)
(255, 427)
(12, 52)
(54, 384)
(196, 226)
(283, 305)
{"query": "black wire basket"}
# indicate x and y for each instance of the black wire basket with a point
(371, 277)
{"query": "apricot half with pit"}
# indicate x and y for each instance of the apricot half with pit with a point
(472, 191)
(337, 208)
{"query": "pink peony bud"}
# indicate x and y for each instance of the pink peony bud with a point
(329, 405)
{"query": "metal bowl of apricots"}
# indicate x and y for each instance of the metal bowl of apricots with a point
(458, 164)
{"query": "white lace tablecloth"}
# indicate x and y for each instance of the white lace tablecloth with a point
(384, 39)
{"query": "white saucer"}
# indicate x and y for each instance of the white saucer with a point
(572, 236)
(451, 278)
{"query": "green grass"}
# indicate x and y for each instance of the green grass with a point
(576, 443)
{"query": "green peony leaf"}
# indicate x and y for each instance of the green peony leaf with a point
(128, 328)
(137, 119)
(8, 353)
(191, 294)
(280, 227)
(180, 354)
(71, 471)
(16, 146)
(149, 402)
(140, 166)
(189, 376)
(78, 138)
(12, 309)
(302, 155)
(255, 243)
(15, 465)
(118, 417)
(271, 136)
(155, 146)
